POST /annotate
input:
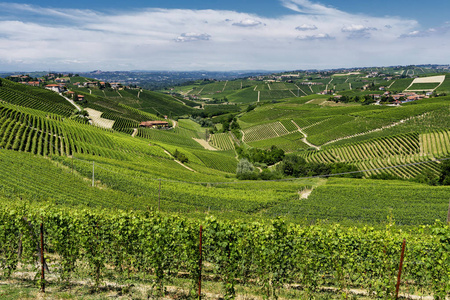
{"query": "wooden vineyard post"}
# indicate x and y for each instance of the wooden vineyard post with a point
(400, 269)
(93, 170)
(42, 260)
(448, 213)
(200, 266)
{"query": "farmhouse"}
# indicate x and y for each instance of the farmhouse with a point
(30, 83)
(53, 87)
(90, 84)
(115, 85)
(154, 124)
(62, 80)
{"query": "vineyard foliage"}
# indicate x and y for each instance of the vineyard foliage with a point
(34, 97)
(368, 201)
(118, 244)
(222, 141)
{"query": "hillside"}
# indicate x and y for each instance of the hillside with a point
(127, 210)
(374, 139)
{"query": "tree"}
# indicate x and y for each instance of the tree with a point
(428, 177)
(245, 170)
(180, 156)
(292, 165)
(444, 177)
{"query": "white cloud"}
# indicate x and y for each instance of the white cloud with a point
(305, 27)
(191, 37)
(247, 23)
(36, 38)
(309, 7)
(354, 28)
(320, 36)
(358, 31)
(438, 31)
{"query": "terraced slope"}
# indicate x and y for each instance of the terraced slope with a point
(34, 97)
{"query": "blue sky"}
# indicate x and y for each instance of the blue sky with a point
(221, 35)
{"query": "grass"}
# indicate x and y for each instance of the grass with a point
(246, 95)
(20, 289)
(401, 84)
(445, 86)
(423, 86)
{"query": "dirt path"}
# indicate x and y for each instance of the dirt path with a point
(119, 94)
(301, 90)
(178, 100)
(175, 123)
(259, 94)
(224, 86)
(135, 131)
(97, 120)
(304, 140)
(71, 102)
(305, 194)
(179, 162)
(205, 144)
(269, 87)
(391, 84)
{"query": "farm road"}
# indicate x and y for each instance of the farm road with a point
(304, 140)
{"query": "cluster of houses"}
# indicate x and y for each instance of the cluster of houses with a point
(407, 96)
(93, 84)
(397, 98)
(311, 83)
(26, 79)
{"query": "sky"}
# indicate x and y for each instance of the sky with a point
(221, 35)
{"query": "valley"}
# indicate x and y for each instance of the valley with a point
(290, 174)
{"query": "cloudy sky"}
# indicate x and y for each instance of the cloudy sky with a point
(221, 35)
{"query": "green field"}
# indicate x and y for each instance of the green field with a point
(400, 84)
(445, 86)
(341, 200)
(28, 130)
(423, 86)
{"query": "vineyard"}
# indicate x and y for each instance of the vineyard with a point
(383, 152)
(278, 236)
(221, 141)
(368, 202)
(261, 132)
(101, 245)
(36, 98)
(289, 143)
